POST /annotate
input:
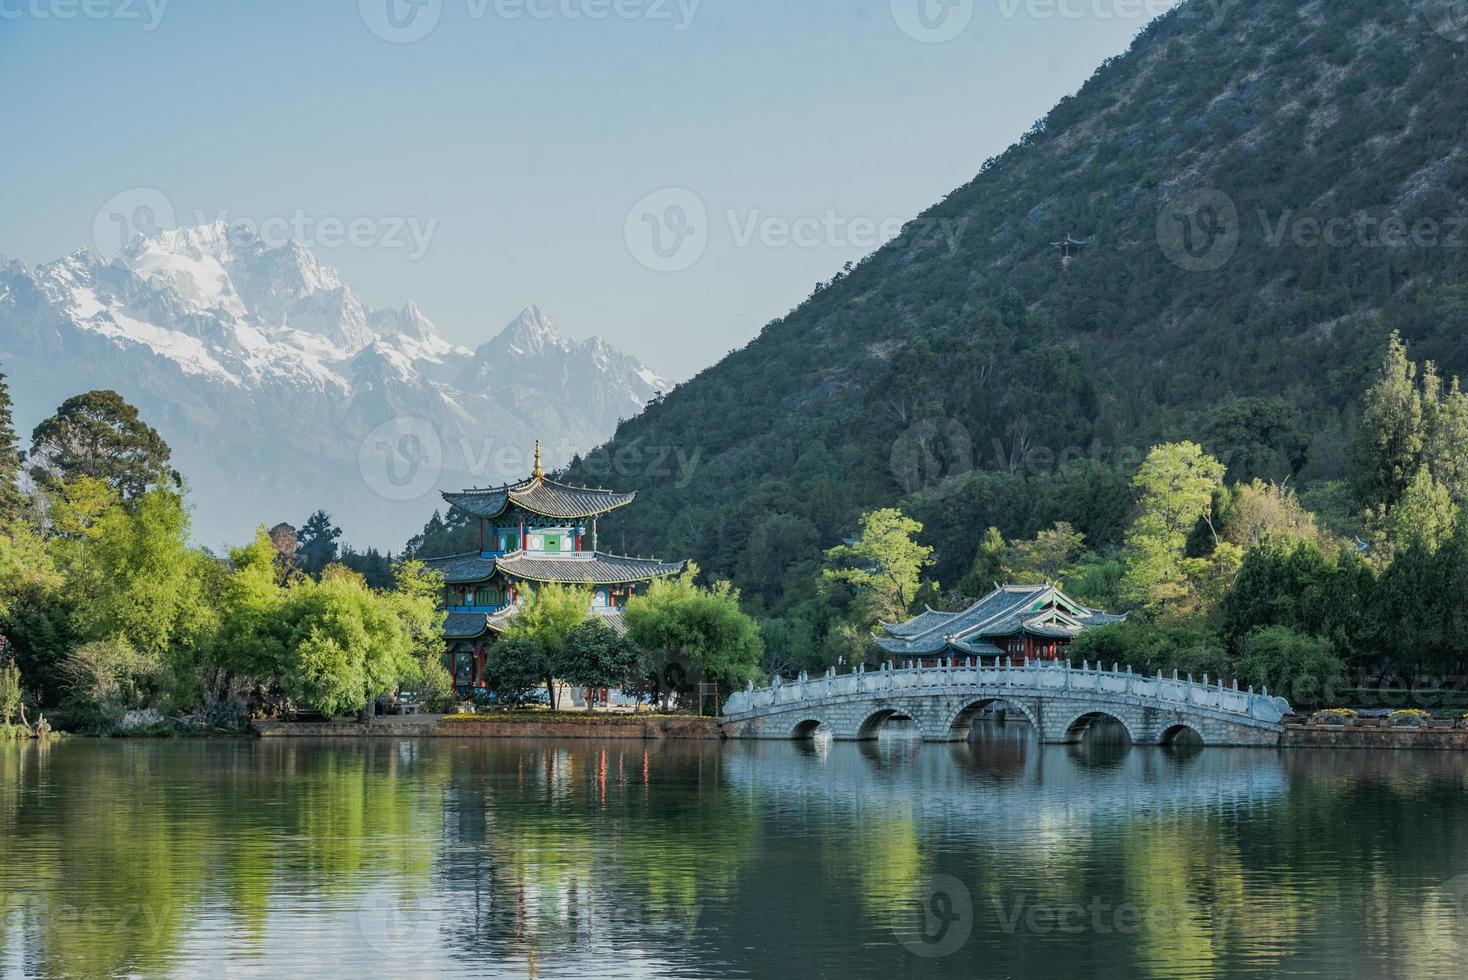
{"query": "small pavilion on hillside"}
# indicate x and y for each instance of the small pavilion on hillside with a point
(1035, 622)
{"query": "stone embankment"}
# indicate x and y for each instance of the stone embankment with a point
(1442, 735)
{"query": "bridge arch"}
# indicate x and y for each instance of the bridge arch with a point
(1183, 730)
(871, 725)
(962, 720)
(1072, 730)
(808, 728)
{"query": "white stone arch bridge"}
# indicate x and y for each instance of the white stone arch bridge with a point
(1058, 699)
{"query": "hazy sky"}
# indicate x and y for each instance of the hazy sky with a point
(669, 174)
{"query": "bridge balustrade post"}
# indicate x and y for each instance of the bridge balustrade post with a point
(1188, 698)
(1067, 675)
(1129, 678)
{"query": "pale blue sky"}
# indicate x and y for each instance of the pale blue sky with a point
(510, 144)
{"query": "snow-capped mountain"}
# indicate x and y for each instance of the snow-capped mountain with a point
(280, 391)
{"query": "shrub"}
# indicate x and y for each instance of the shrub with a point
(1302, 668)
(515, 669)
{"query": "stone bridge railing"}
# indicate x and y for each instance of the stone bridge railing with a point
(1036, 688)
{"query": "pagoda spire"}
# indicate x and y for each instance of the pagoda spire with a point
(537, 473)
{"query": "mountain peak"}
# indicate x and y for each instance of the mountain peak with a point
(529, 334)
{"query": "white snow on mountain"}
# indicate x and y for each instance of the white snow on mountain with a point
(266, 373)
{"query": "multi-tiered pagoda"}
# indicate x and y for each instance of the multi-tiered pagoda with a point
(531, 533)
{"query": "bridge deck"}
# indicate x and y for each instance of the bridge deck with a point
(1058, 698)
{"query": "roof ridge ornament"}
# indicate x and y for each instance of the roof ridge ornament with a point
(537, 473)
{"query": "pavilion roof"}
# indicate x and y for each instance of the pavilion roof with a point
(593, 568)
(465, 626)
(499, 622)
(1040, 610)
(540, 496)
(577, 568)
(463, 569)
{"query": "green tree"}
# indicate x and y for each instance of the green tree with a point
(514, 668)
(1387, 451)
(10, 689)
(318, 546)
(10, 460)
(106, 679)
(884, 565)
(252, 639)
(346, 644)
(1445, 450)
(594, 656)
(138, 581)
(1046, 557)
(675, 616)
(1248, 514)
(1302, 668)
(988, 566)
(100, 435)
(546, 619)
(1257, 437)
(1185, 646)
(1175, 487)
(1424, 515)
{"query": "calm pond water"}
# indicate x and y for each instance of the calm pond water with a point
(996, 858)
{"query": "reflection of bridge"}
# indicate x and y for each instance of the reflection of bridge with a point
(1059, 700)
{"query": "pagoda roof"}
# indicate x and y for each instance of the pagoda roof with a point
(1068, 240)
(579, 568)
(1039, 610)
(465, 626)
(500, 622)
(545, 498)
(593, 568)
(920, 623)
(462, 569)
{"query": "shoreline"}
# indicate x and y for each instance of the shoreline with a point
(646, 727)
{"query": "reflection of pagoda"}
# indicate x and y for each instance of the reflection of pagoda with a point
(530, 533)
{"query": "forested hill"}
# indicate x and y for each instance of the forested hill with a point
(1207, 165)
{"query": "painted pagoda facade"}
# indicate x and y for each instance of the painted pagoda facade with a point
(1034, 622)
(531, 533)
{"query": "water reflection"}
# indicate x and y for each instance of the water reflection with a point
(695, 859)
